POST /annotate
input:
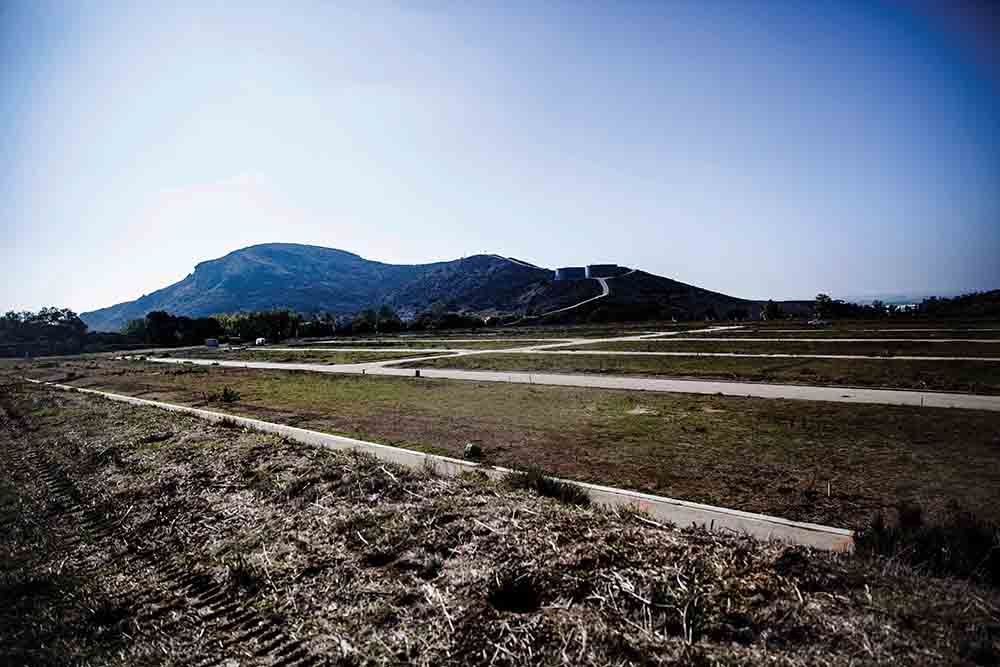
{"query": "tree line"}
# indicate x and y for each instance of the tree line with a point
(51, 331)
(164, 329)
(973, 305)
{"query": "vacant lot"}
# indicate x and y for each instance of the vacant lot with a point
(135, 536)
(977, 377)
(868, 349)
(823, 462)
(299, 356)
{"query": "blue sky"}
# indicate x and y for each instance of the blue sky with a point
(763, 149)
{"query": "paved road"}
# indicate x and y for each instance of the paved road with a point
(546, 349)
(759, 390)
(702, 339)
(417, 339)
(760, 355)
(822, 330)
(406, 350)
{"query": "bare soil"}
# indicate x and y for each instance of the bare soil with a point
(136, 536)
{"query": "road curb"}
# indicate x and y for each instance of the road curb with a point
(679, 512)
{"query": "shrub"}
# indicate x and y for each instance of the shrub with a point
(535, 479)
(958, 545)
(227, 395)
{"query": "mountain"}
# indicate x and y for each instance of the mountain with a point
(311, 279)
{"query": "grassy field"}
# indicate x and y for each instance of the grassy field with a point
(135, 536)
(869, 349)
(960, 376)
(822, 462)
(304, 356)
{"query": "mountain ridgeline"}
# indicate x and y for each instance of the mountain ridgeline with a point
(312, 279)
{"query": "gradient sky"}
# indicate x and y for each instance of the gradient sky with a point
(763, 149)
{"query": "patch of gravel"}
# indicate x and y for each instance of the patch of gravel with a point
(133, 535)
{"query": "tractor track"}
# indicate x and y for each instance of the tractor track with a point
(177, 602)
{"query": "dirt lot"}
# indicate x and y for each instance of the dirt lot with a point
(135, 536)
(973, 377)
(828, 463)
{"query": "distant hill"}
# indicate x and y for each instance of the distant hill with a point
(311, 279)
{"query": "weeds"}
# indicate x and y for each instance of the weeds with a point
(958, 545)
(244, 576)
(227, 395)
(535, 479)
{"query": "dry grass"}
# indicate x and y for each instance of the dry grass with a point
(328, 557)
(829, 463)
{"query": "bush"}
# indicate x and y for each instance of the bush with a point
(535, 479)
(958, 545)
(227, 395)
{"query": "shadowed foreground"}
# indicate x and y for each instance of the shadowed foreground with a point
(133, 535)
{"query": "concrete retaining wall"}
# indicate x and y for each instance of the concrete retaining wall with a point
(679, 512)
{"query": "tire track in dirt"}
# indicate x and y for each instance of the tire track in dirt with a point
(176, 596)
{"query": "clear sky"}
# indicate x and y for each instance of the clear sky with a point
(763, 149)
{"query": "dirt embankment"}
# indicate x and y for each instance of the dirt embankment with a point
(134, 536)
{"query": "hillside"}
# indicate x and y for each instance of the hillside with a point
(311, 279)
(315, 279)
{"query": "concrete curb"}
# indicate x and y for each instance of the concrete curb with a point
(679, 512)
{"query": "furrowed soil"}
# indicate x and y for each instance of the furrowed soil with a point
(973, 377)
(869, 349)
(828, 463)
(137, 536)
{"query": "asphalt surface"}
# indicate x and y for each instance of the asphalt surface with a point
(750, 389)
(625, 353)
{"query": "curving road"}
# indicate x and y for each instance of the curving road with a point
(748, 389)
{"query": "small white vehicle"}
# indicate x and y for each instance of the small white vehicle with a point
(260, 341)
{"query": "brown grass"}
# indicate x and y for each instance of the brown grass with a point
(823, 462)
(213, 544)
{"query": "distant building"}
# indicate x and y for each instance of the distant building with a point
(602, 270)
(571, 273)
